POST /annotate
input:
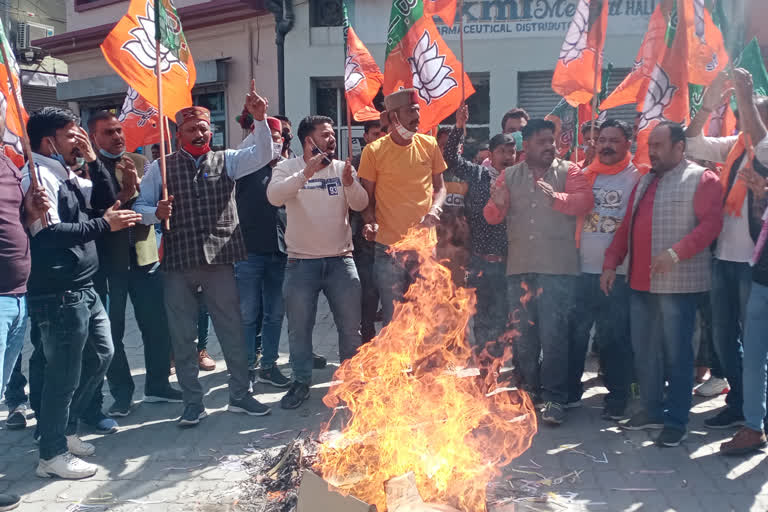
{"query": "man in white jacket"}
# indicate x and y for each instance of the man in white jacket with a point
(317, 192)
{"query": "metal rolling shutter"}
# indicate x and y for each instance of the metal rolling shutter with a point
(535, 94)
(36, 97)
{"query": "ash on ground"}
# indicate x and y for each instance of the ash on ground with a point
(275, 476)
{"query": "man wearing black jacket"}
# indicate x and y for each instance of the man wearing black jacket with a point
(260, 277)
(69, 323)
(129, 260)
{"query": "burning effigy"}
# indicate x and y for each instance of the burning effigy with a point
(408, 404)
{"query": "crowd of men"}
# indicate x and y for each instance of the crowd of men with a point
(559, 253)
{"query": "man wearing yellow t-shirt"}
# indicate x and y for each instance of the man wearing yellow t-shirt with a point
(402, 174)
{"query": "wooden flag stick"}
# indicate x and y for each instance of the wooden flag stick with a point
(24, 136)
(460, 9)
(349, 132)
(168, 134)
(158, 72)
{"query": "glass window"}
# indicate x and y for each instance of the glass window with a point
(478, 129)
(326, 13)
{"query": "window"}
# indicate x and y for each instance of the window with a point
(326, 13)
(84, 5)
(478, 128)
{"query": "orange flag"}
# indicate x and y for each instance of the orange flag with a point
(578, 72)
(667, 95)
(418, 57)
(706, 50)
(445, 9)
(140, 120)
(12, 146)
(632, 89)
(130, 49)
(362, 77)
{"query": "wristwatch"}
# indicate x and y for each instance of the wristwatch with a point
(674, 255)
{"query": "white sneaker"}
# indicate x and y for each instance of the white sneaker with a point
(77, 446)
(712, 387)
(65, 466)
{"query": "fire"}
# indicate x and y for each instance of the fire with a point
(411, 407)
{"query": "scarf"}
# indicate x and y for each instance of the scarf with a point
(735, 199)
(591, 173)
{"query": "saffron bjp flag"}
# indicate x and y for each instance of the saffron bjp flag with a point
(130, 50)
(140, 121)
(578, 72)
(565, 119)
(418, 57)
(632, 88)
(362, 77)
(444, 9)
(707, 55)
(12, 145)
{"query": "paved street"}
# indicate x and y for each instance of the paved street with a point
(151, 465)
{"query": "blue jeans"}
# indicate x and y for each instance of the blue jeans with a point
(541, 351)
(731, 283)
(662, 338)
(15, 395)
(755, 355)
(610, 314)
(260, 286)
(393, 276)
(489, 281)
(73, 338)
(304, 280)
(13, 325)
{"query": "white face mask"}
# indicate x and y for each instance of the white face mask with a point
(403, 131)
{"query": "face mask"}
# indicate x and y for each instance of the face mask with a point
(111, 156)
(58, 156)
(197, 151)
(403, 132)
(80, 163)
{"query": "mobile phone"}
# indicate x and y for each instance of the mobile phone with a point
(316, 151)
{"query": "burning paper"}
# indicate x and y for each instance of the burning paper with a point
(408, 409)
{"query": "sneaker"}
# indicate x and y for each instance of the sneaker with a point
(296, 396)
(120, 409)
(745, 441)
(102, 425)
(712, 387)
(726, 418)
(80, 448)
(248, 405)
(17, 419)
(641, 421)
(318, 361)
(573, 405)
(8, 501)
(671, 437)
(192, 415)
(274, 377)
(613, 412)
(553, 413)
(168, 395)
(65, 466)
(205, 361)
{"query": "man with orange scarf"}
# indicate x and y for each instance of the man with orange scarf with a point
(613, 176)
(743, 197)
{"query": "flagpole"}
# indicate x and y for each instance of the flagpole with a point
(24, 136)
(460, 8)
(349, 131)
(168, 133)
(163, 180)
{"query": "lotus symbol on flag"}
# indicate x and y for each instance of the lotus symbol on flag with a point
(352, 74)
(130, 108)
(142, 47)
(576, 39)
(431, 77)
(657, 99)
(9, 138)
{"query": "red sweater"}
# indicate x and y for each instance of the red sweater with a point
(708, 209)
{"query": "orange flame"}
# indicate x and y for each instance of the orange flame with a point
(410, 408)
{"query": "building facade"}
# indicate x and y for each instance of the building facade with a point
(230, 41)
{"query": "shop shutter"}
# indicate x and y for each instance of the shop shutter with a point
(536, 96)
(36, 97)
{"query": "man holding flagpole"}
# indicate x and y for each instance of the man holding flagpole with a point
(202, 245)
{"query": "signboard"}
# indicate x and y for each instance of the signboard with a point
(508, 19)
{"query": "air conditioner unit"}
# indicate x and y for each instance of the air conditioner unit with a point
(29, 31)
